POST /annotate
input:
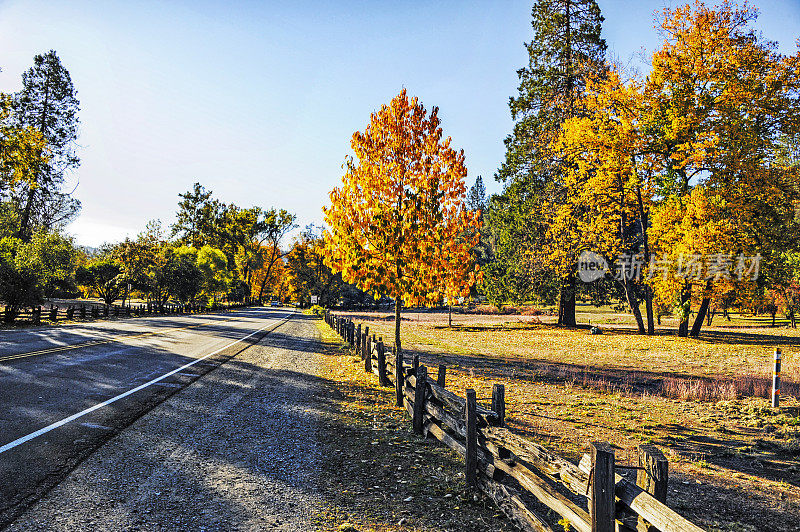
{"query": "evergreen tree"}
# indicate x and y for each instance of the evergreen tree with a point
(198, 212)
(476, 198)
(48, 103)
(565, 50)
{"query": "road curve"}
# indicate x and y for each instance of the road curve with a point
(64, 391)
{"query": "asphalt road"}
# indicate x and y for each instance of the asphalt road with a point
(66, 391)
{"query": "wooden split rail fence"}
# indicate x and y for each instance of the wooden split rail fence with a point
(54, 314)
(510, 469)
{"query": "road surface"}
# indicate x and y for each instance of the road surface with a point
(224, 453)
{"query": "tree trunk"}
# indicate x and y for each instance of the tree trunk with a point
(644, 223)
(701, 316)
(267, 275)
(633, 303)
(24, 223)
(566, 302)
(648, 303)
(701, 312)
(686, 302)
(449, 315)
(398, 304)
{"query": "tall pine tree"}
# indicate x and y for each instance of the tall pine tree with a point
(48, 103)
(566, 48)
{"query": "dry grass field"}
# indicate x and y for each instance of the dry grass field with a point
(735, 462)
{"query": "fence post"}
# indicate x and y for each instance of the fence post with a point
(776, 380)
(53, 314)
(440, 375)
(368, 357)
(358, 336)
(499, 403)
(471, 459)
(383, 379)
(398, 376)
(36, 315)
(652, 478)
(415, 365)
(83, 312)
(419, 399)
(601, 496)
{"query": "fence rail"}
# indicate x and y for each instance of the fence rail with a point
(90, 311)
(510, 469)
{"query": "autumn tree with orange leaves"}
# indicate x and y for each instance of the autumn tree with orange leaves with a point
(398, 225)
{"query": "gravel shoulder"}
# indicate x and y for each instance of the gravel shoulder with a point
(235, 450)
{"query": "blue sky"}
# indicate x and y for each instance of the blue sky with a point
(258, 100)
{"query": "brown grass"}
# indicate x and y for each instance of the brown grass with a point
(734, 460)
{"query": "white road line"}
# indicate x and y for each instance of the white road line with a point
(73, 417)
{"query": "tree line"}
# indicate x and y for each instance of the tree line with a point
(213, 250)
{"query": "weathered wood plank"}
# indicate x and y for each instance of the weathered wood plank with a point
(508, 500)
(440, 375)
(398, 376)
(368, 357)
(458, 404)
(542, 490)
(539, 457)
(455, 424)
(471, 420)
(658, 514)
(499, 403)
(440, 434)
(602, 508)
(419, 399)
(652, 478)
(382, 379)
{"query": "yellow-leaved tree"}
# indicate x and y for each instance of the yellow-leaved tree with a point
(398, 225)
(683, 164)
